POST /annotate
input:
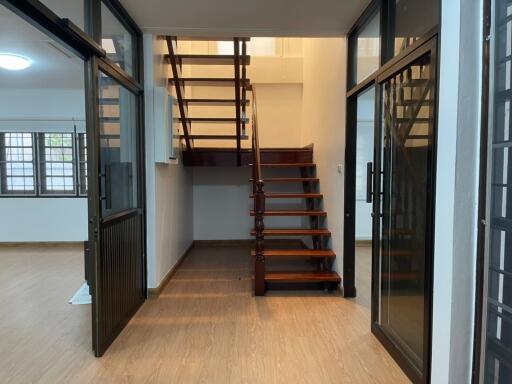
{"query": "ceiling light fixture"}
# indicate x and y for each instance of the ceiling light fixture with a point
(14, 62)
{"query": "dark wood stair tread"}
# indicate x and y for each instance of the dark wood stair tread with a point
(287, 212)
(195, 59)
(290, 180)
(214, 102)
(288, 165)
(302, 277)
(213, 120)
(210, 81)
(293, 232)
(210, 38)
(291, 195)
(214, 137)
(316, 253)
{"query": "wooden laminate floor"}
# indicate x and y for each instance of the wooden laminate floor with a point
(206, 327)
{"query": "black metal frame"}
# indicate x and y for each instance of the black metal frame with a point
(427, 47)
(389, 63)
(93, 66)
(482, 195)
(88, 47)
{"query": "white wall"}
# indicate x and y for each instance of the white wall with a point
(168, 186)
(222, 204)
(42, 219)
(456, 191)
(323, 122)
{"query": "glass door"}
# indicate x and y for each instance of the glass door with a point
(403, 249)
(120, 286)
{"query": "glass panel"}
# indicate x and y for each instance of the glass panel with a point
(69, 9)
(407, 182)
(367, 50)
(364, 155)
(412, 19)
(117, 41)
(498, 303)
(118, 146)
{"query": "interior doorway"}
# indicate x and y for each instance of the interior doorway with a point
(43, 202)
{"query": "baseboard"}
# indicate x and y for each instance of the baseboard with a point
(42, 244)
(363, 243)
(153, 293)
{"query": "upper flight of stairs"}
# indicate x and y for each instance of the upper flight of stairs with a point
(222, 113)
(307, 261)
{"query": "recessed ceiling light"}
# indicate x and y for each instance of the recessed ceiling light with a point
(14, 62)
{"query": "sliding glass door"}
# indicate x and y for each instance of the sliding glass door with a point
(403, 242)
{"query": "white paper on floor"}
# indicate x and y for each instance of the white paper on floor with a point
(81, 296)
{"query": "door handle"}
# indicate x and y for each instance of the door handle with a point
(108, 187)
(369, 182)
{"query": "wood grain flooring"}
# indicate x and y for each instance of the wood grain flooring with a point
(206, 327)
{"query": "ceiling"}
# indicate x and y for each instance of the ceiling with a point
(252, 18)
(52, 65)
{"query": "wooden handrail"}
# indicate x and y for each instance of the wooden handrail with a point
(236, 42)
(180, 91)
(259, 203)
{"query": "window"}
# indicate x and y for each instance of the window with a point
(365, 49)
(70, 9)
(17, 164)
(117, 40)
(56, 163)
(118, 146)
(57, 167)
(412, 19)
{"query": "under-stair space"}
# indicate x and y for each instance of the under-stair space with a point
(288, 206)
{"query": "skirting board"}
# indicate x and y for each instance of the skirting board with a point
(52, 244)
(153, 293)
(363, 243)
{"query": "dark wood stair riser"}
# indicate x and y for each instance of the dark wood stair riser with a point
(302, 277)
(313, 253)
(289, 180)
(291, 195)
(283, 212)
(226, 157)
(284, 232)
(288, 165)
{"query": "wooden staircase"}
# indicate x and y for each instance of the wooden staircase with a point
(225, 130)
(309, 262)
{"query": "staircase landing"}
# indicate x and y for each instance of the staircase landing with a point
(227, 157)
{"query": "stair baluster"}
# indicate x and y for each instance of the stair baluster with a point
(259, 204)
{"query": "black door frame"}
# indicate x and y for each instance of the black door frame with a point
(87, 45)
(428, 47)
(426, 44)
